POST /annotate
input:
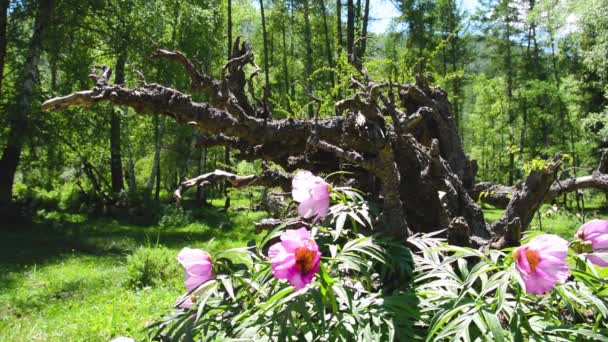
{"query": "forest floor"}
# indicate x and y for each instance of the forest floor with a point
(69, 278)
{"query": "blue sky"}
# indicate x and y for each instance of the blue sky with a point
(383, 11)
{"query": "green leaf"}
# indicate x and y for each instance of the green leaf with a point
(493, 324)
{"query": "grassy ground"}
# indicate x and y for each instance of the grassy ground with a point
(67, 278)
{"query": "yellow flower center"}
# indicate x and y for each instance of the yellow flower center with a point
(304, 259)
(533, 259)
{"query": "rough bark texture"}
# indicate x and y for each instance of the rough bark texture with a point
(115, 148)
(501, 196)
(18, 124)
(418, 161)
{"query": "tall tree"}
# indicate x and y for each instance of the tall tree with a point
(3, 38)
(18, 125)
(308, 46)
(328, 48)
(227, 148)
(285, 47)
(364, 24)
(339, 23)
(265, 41)
(418, 15)
(115, 141)
(350, 26)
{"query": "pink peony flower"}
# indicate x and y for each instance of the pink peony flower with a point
(312, 193)
(541, 263)
(595, 232)
(199, 270)
(296, 258)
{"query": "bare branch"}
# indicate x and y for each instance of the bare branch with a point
(268, 177)
(82, 98)
(199, 81)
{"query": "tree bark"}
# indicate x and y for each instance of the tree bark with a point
(130, 164)
(266, 66)
(4, 4)
(364, 29)
(328, 47)
(159, 128)
(339, 23)
(350, 27)
(418, 160)
(18, 124)
(115, 148)
(510, 111)
(191, 149)
(308, 44)
(423, 174)
(285, 51)
(224, 186)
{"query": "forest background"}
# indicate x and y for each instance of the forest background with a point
(525, 78)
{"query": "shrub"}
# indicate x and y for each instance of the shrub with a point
(368, 288)
(151, 266)
(172, 216)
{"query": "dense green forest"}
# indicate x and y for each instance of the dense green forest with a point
(525, 79)
(448, 132)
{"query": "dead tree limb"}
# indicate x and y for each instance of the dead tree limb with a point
(527, 198)
(268, 178)
(415, 166)
(500, 195)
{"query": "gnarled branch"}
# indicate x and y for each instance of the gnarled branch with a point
(268, 177)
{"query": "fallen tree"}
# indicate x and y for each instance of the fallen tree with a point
(500, 196)
(399, 141)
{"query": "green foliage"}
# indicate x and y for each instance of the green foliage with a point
(349, 299)
(535, 165)
(151, 266)
(172, 216)
(467, 295)
(369, 288)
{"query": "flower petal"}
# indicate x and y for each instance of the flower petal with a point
(187, 255)
(600, 259)
(300, 185)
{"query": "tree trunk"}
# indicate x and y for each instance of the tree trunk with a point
(3, 38)
(291, 43)
(191, 150)
(159, 127)
(130, 164)
(307, 42)
(115, 153)
(339, 23)
(510, 111)
(285, 51)
(364, 29)
(265, 41)
(18, 124)
(350, 27)
(201, 197)
(328, 48)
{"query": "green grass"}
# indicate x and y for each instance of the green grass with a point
(64, 278)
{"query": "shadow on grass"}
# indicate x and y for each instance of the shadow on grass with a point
(56, 237)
